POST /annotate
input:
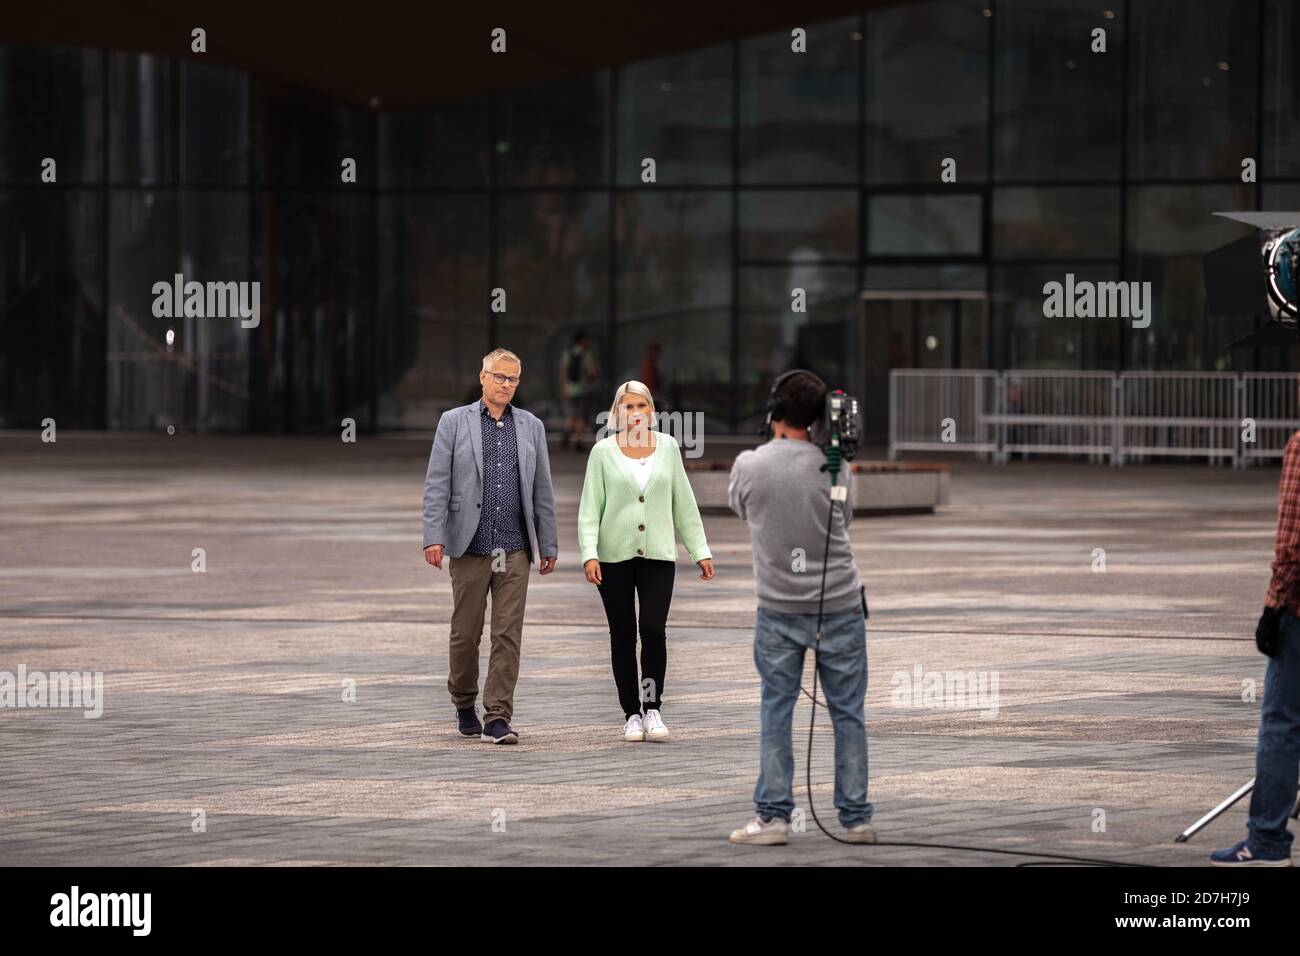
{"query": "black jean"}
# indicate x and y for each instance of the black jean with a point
(652, 582)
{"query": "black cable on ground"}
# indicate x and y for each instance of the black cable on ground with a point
(1040, 859)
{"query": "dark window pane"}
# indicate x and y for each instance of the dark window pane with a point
(924, 225)
(677, 111)
(674, 275)
(927, 91)
(145, 382)
(1194, 83)
(553, 263)
(1058, 104)
(781, 224)
(433, 305)
(201, 381)
(1026, 338)
(315, 259)
(445, 145)
(51, 105)
(1055, 222)
(799, 111)
(1170, 229)
(51, 308)
(304, 142)
(215, 117)
(1281, 89)
(774, 338)
(554, 135)
(213, 354)
(142, 119)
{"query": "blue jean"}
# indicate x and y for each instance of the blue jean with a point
(1277, 754)
(779, 644)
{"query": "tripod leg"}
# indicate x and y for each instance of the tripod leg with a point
(1192, 830)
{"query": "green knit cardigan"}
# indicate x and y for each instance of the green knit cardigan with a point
(618, 522)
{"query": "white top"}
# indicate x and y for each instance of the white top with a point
(639, 468)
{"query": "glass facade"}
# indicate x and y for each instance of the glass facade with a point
(710, 218)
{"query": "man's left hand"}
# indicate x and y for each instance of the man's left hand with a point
(548, 565)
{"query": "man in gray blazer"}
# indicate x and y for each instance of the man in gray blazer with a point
(489, 510)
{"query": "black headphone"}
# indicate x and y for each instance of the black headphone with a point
(775, 406)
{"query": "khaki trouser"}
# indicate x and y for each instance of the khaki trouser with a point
(472, 578)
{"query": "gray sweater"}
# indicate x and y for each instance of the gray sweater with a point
(780, 491)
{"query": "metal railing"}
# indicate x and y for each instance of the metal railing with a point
(1115, 416)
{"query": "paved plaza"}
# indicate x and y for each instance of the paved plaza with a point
(1119, 693)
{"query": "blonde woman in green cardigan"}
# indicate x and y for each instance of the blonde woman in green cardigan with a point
(634, 495)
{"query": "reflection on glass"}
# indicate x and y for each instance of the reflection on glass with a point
(781, 224)
(1058, 105)
(924, 225)
(1195, 84)
(927, 91)
(52, 346)
(799, 111)
(1042, 221)
(443, 145)
(553, 262)
(779, 332)
(214, 112)
(677, 111)
(674, 288)
(554, 134)
(141, 126)
(433, 294)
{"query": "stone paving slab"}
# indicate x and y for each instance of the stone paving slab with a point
(1119, 691)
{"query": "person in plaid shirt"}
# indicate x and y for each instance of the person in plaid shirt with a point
(1277, 754)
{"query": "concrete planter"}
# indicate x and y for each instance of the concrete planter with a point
(879, 487)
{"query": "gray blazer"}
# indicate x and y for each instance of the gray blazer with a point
(453, 485)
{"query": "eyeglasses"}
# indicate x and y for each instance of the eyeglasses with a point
(500, 379)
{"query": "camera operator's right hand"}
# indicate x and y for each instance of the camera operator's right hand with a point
(592, 569)
(1267, 636)
(433, 554)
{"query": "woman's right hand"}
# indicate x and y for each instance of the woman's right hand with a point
(592, 568)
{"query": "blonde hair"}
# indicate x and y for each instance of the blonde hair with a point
(501, 354)
(635, 388)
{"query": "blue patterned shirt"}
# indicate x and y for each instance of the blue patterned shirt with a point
(502, 522)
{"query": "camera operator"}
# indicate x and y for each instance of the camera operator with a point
(782, 492)
(1277, 754)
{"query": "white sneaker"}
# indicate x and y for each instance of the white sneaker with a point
(634, 729)
(774, 832)
(862, 833)
(654, 726)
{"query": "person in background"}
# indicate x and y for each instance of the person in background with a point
(577, 387)
(633, 497)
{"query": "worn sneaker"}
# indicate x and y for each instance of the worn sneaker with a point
(1243, 855)
(760, 832)
(468, 720)
(634, 729)
(860, 833)
(654, 726)
(499, 732)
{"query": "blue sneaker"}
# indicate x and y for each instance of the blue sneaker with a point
(499, 732)
(1243, 855)
(467, 720)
